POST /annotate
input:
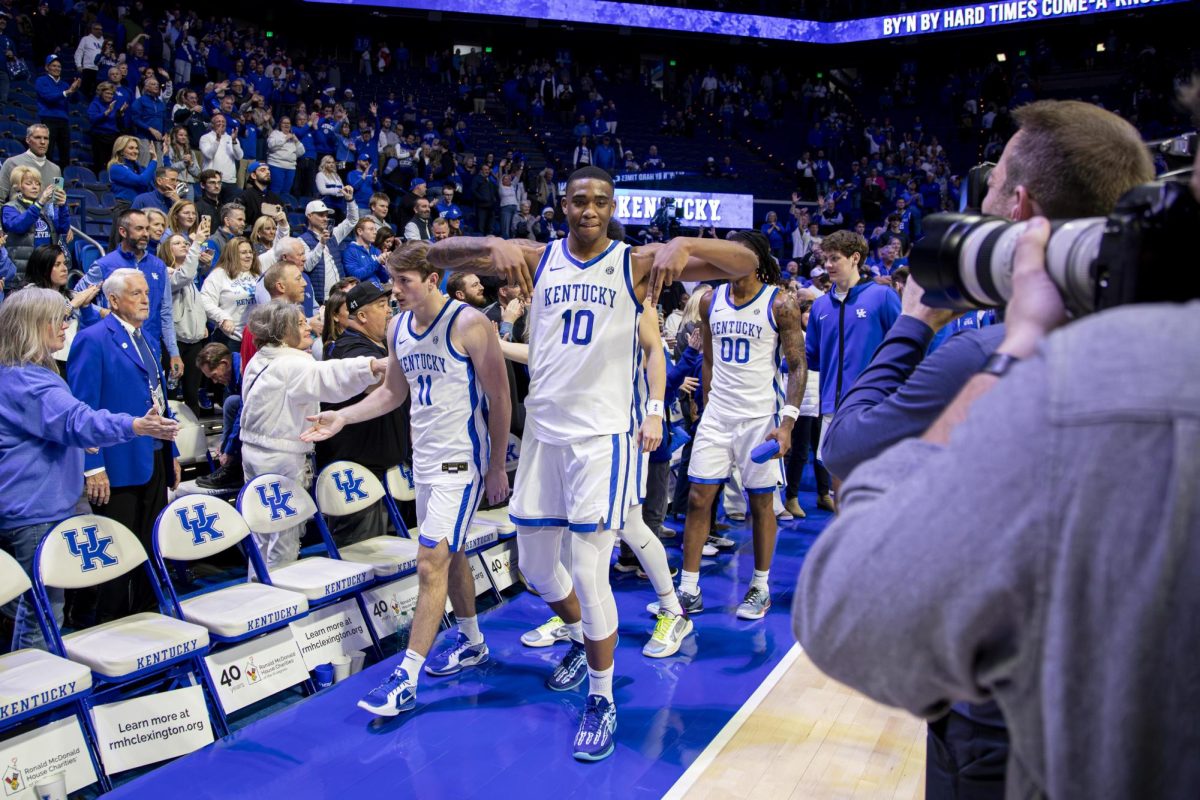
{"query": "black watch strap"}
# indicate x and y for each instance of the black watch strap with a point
(999, 364)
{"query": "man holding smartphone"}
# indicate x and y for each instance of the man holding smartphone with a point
(257, 193)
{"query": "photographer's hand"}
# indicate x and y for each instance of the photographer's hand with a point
(911, 306)
(1036, 307)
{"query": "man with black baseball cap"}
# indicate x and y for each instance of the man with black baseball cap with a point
(378, 444)
(257, 192)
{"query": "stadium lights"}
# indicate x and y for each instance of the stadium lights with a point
(1001, 57)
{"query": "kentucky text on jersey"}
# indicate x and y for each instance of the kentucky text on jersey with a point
(425, 361)
(35, 701)
(580, 293)
(274, 616)
(736, 326)
(167, 654)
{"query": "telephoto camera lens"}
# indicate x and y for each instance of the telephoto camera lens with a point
(965, 261)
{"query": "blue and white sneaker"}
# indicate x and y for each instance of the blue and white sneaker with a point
(755, 604)
(457, 655)
(594, 741)
(395, 695)
(570, 672)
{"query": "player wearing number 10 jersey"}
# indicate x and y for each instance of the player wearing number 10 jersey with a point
(586, 294)
(751, 326)
(447, 356)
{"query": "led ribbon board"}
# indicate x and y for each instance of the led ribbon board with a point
(690, 20)
(696, 209)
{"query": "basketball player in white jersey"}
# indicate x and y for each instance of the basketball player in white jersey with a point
(586, 293)
(672, 626)
(750, 325)
(446, 355)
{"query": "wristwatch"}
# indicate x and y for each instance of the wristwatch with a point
(999, 364)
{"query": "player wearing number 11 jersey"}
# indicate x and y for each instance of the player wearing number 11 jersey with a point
(446, 355)
(586, 294)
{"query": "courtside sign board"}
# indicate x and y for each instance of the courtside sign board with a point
(153, 728)
(29, 759)
(756, 26)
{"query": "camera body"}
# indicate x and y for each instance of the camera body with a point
(1140, 253)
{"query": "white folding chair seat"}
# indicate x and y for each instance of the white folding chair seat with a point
(387, 555)
(497, 518)
(31, 679)
(480, 535)
(238, 610)
(318, 578)
(141, 641)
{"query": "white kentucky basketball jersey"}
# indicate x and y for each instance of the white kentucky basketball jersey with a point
(583, 343)
(448, 408)
(747, 371)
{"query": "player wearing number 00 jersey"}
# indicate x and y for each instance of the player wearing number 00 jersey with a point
(751, 327)
(585, 296)
(446, 355)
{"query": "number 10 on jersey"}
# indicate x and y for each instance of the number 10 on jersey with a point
(577, 326)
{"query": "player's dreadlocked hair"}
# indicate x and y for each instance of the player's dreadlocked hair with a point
(768, 267)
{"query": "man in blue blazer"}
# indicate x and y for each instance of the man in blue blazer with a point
(113, 367)
(134, 232)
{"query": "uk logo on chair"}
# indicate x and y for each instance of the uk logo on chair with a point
(278, 502)
(93, 550)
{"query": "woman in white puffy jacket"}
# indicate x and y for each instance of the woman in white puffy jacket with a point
(228, 291)
(282, 385)
(283, 150)
(182, 255)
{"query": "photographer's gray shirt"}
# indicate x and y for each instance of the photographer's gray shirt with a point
(1048, 557)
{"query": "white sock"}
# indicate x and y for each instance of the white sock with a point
(689, 581)
(469, 627)
(600, 682)
(575, 630)
(412, 663)
(669, 602)
(760, 579)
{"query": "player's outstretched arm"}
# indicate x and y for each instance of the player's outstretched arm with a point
(691, 259)
(651, 434)
(515, 351)
(385, 399)
(482, 346)
(786, 311)
(707, 366)
(490, 255)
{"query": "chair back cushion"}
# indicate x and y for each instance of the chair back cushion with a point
(273, 503)
(87, 550)
(13, 580)
(197, 526)
(344, 487)
(400, 484)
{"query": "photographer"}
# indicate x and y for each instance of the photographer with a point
(1054, 589)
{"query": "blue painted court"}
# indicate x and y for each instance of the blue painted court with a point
(497, 730)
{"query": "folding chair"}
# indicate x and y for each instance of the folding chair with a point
(273, 503)
(127, 656)
(344, 488)
(199, 526)
(34, 683)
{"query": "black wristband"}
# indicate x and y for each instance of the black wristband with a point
(999, 364)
